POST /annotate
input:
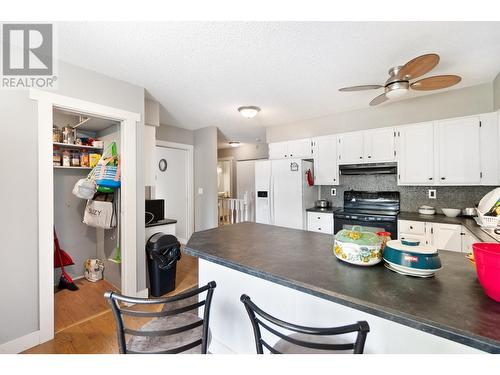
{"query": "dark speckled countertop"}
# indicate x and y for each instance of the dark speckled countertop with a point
(467, 222)
(450, 305)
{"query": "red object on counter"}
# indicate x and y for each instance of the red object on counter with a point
(487, 257)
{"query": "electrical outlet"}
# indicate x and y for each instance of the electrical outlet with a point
(200, 191)
(432, 193)
(333, 192)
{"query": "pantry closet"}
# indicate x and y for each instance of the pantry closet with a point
(78, 143)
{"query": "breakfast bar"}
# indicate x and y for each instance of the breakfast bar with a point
(294, 275)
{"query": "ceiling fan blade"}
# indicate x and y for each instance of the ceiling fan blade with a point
(379, 99)
(361, 88)
(436, 82)
(418, 66)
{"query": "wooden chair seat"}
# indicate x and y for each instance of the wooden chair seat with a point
(161, 343)
(287, 347)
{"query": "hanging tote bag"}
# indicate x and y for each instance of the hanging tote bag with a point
(100, 214)
(107, 171)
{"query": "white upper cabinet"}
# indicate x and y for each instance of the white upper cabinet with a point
(277, 150)
(415, 154)
(351, 149)
(488, 143)
(300, 148)
(459, 151)
(326, 171)
(379, 145)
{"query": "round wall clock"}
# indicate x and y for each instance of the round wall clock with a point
(162, 164)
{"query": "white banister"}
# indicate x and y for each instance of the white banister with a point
(232, 210)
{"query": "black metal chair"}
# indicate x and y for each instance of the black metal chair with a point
(176, 328)
(304, 340)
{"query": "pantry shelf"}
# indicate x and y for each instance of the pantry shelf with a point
(69, 145)
(61, 167)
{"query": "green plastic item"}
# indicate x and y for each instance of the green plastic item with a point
(357, 236)
(116, 255)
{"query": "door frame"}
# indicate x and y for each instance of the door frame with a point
(189, 185)
(129, 122)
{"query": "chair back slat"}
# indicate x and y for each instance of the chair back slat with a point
(118, 312)
(177, 350)
(361, 328)
(164, 332)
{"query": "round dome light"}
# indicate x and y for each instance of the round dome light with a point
(249, 111)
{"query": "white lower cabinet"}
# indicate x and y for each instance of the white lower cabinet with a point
(439, 235)
(320, 222)
(446, 236)
(468, 239)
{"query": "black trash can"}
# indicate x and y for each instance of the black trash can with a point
(163, 252)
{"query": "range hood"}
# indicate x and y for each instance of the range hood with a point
(369, 168)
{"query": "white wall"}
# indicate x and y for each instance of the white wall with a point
(174, 134)
(453, 103)
(247, 151)
(19, 250)
(205, 177)
(496, 92)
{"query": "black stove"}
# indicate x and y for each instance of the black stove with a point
(373, 211)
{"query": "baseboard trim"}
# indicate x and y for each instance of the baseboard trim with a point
(21, 343)
(143, 293)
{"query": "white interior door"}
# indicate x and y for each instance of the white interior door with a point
(245, 185)
(172, 186)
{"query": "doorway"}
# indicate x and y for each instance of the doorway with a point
(128, 121)
(174, 184)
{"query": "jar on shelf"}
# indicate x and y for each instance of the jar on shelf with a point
(57, 135)
(69, 135)
(66, 158)
(84, 159)
(75, 159)
(56, 158)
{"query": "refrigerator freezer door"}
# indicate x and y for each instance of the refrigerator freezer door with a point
(263, 192)
(287, 200)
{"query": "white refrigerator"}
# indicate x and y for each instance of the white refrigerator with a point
(282, 193)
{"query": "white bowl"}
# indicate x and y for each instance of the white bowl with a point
(451, 212)
(426, 211)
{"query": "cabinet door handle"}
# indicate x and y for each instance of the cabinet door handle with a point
(430, 178)
(319, 217)
(369, 157)
(443, 178)
(361, 157)
(411, 227)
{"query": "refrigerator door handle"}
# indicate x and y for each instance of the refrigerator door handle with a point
(271, 201)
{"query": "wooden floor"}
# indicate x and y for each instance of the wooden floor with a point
(97, 334)
(74, 307)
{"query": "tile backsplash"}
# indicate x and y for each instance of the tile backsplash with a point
(412, 197)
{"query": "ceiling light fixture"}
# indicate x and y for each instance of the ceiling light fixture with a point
(234, 144)
(249, 111)
(397, 89)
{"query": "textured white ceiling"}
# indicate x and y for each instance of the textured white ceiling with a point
(201, 72)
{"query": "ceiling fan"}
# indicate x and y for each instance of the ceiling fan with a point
(399, 84)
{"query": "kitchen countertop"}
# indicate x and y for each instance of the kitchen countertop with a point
(328, 210)
(467, 222)
(450, 305)
(161, 222)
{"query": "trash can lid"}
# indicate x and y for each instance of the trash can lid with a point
(161, 241)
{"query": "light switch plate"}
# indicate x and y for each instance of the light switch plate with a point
(333, 192)
(432, 193)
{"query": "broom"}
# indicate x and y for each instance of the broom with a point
(62, 258)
